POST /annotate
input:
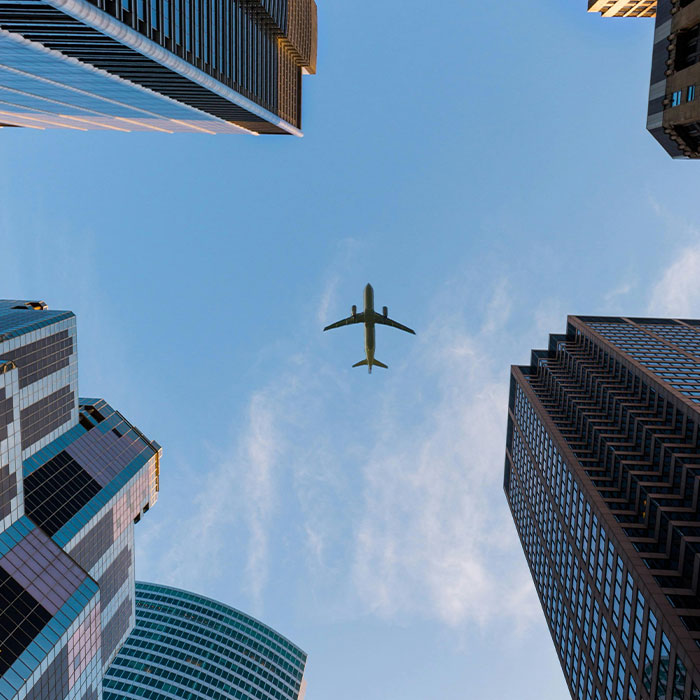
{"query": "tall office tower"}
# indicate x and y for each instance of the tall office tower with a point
(623, 8)
(74, 477)
(674, 95)
(191, 647)
(204, 66)
(602, 476)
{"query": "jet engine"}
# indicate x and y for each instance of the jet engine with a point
(354, 310)
(385, 311)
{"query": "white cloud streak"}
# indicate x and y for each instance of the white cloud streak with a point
(400, 512)
(434, 536)
(677, 292)
(239, 492)
(402, 515)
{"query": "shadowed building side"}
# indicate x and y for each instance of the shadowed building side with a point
(674, 93)
(602, 476)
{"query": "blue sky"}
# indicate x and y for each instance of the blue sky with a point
(488, 170)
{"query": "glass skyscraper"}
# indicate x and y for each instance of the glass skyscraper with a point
(75, 476)
(203, 66)
(185, 646)
(602, 476)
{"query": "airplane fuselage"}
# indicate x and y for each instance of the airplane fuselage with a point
(370, 318)
(369, 325)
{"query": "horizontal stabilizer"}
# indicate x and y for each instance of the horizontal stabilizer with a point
(359, 364)
(379, 364)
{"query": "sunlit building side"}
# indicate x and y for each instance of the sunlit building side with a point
(164, 66)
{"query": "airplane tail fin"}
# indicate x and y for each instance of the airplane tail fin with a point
(359, 364)
(379, 364)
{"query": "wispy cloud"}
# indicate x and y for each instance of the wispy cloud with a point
(549, 317)
(409, 520)
(327, 299)
(238, 493)
(677, 292)
(622, 290)
(434, 535)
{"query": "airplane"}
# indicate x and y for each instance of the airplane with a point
(369, 317)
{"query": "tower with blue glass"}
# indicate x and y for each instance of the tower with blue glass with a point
(602, 476)
(160, 66)
(188, 647)
(75, 476)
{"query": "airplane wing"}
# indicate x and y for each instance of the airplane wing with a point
(379, 318)
(357, 318)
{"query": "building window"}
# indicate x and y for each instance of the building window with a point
(679, 680)
(166, 17)
(196, 11)
(178, 36)
(188, 24)
(650, 648)
(691, 93)
(690, 133)
(676, 98)
(687, 48)
(664, 657)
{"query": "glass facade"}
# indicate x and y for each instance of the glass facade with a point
(602, 473)
(188, 646)
(207, 66)
(42, 89)
(74, 477)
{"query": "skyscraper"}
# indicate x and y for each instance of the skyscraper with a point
(674, 100)
(205, 66)
(75, 476)
(602, 476)
(623, 8)
(188, 646)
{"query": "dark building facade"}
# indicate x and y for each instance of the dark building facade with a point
(188, 647)
(205, 66)
(75, 476)
(602, 476)
(674, 94)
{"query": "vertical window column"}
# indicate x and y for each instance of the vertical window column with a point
(649, 652)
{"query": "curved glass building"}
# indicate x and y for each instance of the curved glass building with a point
(187, 646)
